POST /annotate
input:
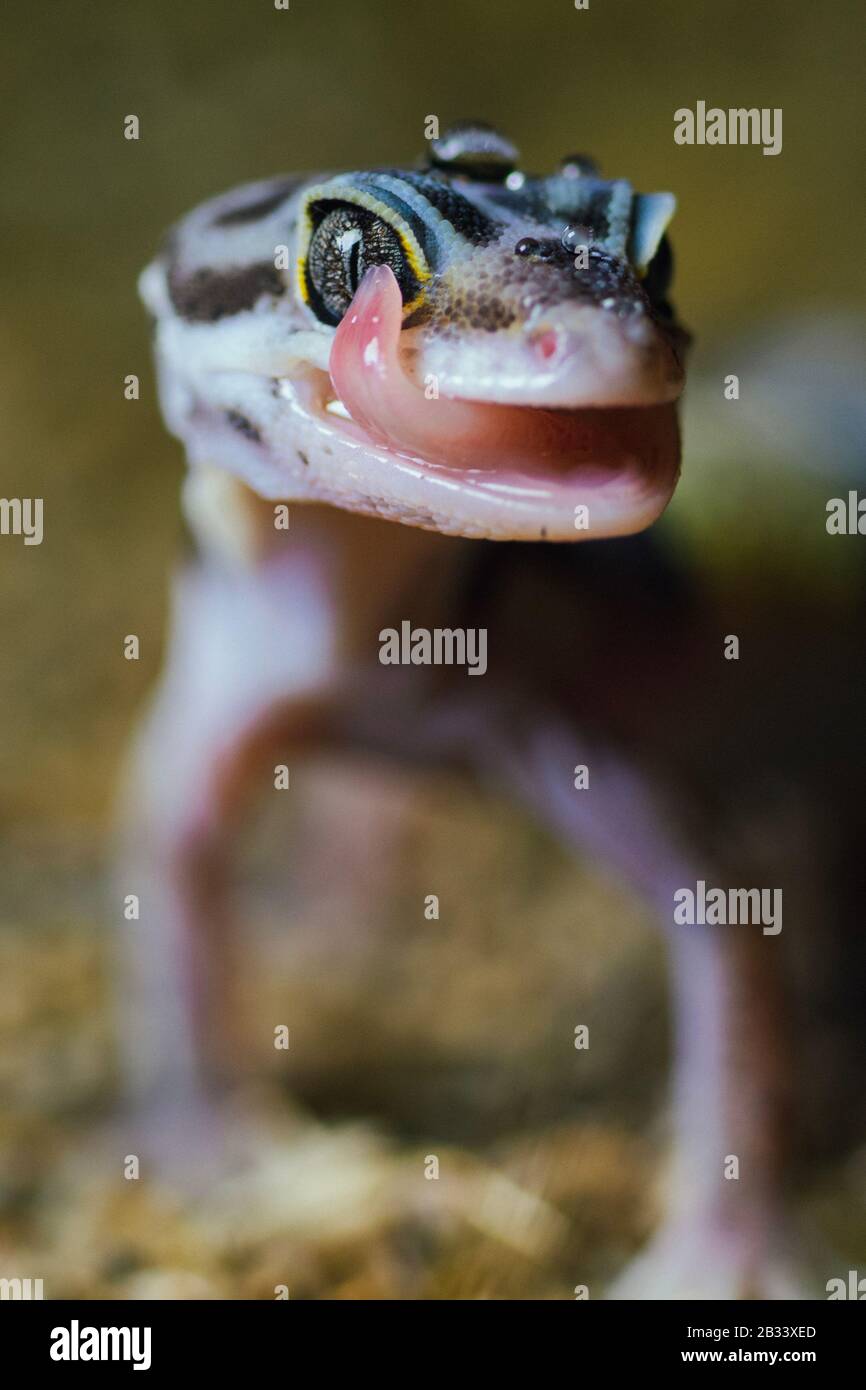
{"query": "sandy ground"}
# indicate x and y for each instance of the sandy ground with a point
(411, 1041)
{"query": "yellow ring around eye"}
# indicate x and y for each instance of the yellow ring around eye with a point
(340, 193)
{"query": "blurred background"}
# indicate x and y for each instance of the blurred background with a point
(454, 1041)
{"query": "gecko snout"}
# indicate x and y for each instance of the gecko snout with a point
(547, 344)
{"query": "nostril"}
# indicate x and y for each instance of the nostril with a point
(546, 344)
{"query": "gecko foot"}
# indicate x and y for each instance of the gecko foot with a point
(716, 1258)
(186, 1144)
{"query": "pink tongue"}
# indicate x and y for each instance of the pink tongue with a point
(626, 458)
(369, 379)
(368, 376)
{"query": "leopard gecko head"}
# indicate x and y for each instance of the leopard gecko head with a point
(463, 347)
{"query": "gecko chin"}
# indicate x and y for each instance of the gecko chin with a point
(518, 471)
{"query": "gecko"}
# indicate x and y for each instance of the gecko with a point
(457, 385)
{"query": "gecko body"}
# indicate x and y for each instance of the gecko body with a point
(481, 355)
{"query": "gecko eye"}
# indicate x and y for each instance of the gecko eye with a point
(345, 243)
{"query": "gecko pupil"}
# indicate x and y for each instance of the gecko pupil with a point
(353, 262)
(346, 242)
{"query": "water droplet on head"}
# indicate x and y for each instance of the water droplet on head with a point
(527, 246)
(572, 237)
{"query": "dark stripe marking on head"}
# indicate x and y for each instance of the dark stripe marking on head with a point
(203, 296)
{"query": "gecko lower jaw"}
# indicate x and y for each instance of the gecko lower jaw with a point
(510, 472)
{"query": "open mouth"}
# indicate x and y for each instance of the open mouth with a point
(557, 473)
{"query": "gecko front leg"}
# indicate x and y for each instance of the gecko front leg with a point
(719, 1238)
(251, 657)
